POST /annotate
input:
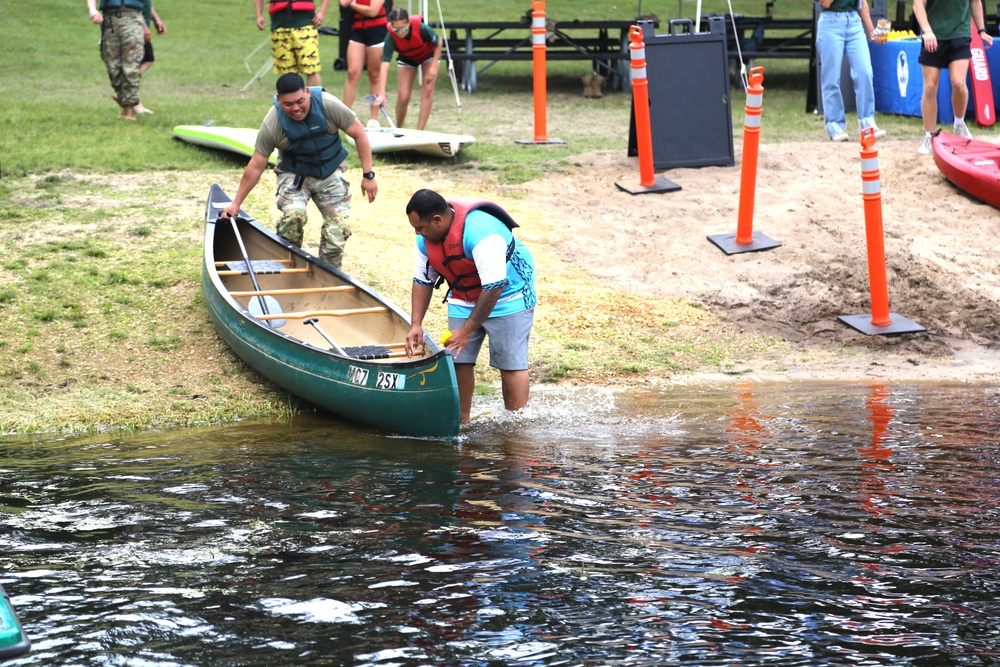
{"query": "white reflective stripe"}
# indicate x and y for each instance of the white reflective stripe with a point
(639, 54)
(871, 187)
(752, 121)
(755, 100)
(869, 164)
(538, 22)
(638, 73)
(538, 39)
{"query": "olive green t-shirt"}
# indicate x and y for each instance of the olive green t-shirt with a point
(271, 135)
(949, 19)
(842, 6)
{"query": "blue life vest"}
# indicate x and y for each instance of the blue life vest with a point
(107, 5)
(312, 151)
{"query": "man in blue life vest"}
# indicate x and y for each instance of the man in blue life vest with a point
(419, 47)
(491, 280)
(304, 125)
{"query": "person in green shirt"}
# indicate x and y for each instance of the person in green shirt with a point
(947, 38)
(419, 48)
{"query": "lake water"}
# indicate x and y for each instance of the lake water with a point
(778, 524)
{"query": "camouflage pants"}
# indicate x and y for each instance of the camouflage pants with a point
(122, 45)
(332, 196)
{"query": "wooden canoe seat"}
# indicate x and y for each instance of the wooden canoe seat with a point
(371, 352)
(295, 291)
(326, 313)
(260, 267)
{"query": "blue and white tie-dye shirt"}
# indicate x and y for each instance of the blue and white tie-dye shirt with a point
(485, 241)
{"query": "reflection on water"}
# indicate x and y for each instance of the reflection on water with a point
(754, 525)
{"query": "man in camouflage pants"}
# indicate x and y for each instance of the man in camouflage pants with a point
(123, 36)
(304, 125)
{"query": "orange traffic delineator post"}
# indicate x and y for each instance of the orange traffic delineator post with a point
(539, 75)
(648, 180)
(745, 239)
(881, 321)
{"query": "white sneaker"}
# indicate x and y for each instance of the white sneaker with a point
(840, 136)
(925, 147)
(879, 133)
(962, 130)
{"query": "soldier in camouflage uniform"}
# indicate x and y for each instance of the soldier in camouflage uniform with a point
(123, 36)
(304, 125)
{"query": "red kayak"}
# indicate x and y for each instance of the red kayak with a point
(971, 164)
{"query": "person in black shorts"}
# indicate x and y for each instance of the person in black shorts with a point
(419, 47)
(368, 31)
(945, 30)
(152, 21)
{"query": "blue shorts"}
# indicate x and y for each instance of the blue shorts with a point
(508, 340)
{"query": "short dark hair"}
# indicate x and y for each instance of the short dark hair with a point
(289, 83)
(399, 14)
(426, 204)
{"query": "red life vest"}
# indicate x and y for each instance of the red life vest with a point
(413, 47)
(295, 5)
(362, 22)
(448, 257)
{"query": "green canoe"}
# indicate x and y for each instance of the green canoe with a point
(319, 334)
(12, 638)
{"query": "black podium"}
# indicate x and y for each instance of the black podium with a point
(690, 109)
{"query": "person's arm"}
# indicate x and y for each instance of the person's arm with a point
(420, 299)
(866, 18)
(980, 22)
(258, 6)
(485, 303)
(381, 97)
(320, 14)
(160, 27)
(920, 13)
(251, 176)
(371, 11)
(95, 16)
(357, 132)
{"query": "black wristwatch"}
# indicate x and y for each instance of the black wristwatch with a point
(981, 31)
(368, 174)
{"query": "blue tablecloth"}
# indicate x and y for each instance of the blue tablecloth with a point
(899, 81)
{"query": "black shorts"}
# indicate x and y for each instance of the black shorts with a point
(147, 52)
(370, 36)
(948, 51)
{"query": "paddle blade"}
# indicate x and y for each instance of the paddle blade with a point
(267, 305)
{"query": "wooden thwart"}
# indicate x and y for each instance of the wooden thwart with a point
(295, 291)
(264, 273)
(286, 262)
(327, 313)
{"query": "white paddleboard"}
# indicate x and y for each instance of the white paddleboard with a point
(437, 144)
(239, 140)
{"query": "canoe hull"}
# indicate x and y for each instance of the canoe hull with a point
(13, 641)
(417, 396)
(972, 165)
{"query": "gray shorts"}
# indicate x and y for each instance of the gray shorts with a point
(508, 340)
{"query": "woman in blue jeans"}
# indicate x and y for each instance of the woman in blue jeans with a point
(843, 29)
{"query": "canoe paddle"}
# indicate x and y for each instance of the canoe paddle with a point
(370, 99)
(314, 322)
(259, 305)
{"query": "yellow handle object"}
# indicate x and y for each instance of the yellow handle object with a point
(445, 337)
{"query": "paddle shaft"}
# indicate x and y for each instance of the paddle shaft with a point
(246, 259)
